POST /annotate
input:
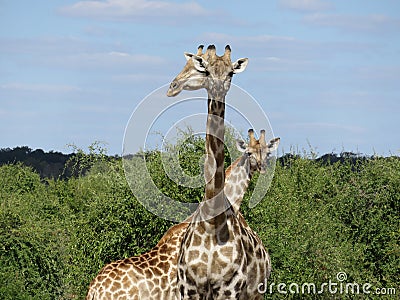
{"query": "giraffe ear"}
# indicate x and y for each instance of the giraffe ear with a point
(241, 145)
(240, 65)
(199, 63)
(188, 55)
(273, 144)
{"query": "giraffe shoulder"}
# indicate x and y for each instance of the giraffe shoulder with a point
(175, 230)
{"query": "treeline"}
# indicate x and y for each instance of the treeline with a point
(50, 164)
(46, 164)
(55, 164)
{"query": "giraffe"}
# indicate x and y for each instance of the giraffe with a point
(212, 262)
(255, 157)
(152, 275)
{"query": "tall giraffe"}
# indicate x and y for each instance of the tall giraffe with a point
(212, 262)
(153, 275)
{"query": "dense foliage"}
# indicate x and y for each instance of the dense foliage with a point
(317, 219)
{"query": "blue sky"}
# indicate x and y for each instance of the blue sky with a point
(326, 73)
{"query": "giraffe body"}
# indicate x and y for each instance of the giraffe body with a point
(151, 275)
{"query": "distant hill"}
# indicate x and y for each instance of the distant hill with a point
(47, 164)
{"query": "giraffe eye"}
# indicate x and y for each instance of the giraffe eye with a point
(174, 85)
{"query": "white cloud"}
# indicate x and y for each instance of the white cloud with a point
(74, 53)
(367, 23)
(46, 45)
(132, 10)
(39, 88)
(265, 47)
(140, 78)
(380, 72)
(112, 59)
(101, 31)
(324, 126)
(268, 45)
(269, 52)
(306, 5)
(280, 64)
(245, 40)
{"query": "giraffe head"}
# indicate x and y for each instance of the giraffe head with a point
(207, 70)
(258, 151)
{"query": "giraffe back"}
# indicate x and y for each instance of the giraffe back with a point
(151, 275)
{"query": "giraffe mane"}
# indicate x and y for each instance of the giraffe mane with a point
(229, 169)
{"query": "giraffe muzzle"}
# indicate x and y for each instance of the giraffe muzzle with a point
(174, 89)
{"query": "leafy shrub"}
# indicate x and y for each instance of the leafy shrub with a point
(32, 238)
(317, 219)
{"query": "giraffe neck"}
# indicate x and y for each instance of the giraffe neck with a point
(215, 203)
(237, 180)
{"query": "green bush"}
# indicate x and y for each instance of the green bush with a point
(32, 238)
(316, 220)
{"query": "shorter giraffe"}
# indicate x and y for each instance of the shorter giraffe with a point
(255, 158)
(152, 275)
(255, 266)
